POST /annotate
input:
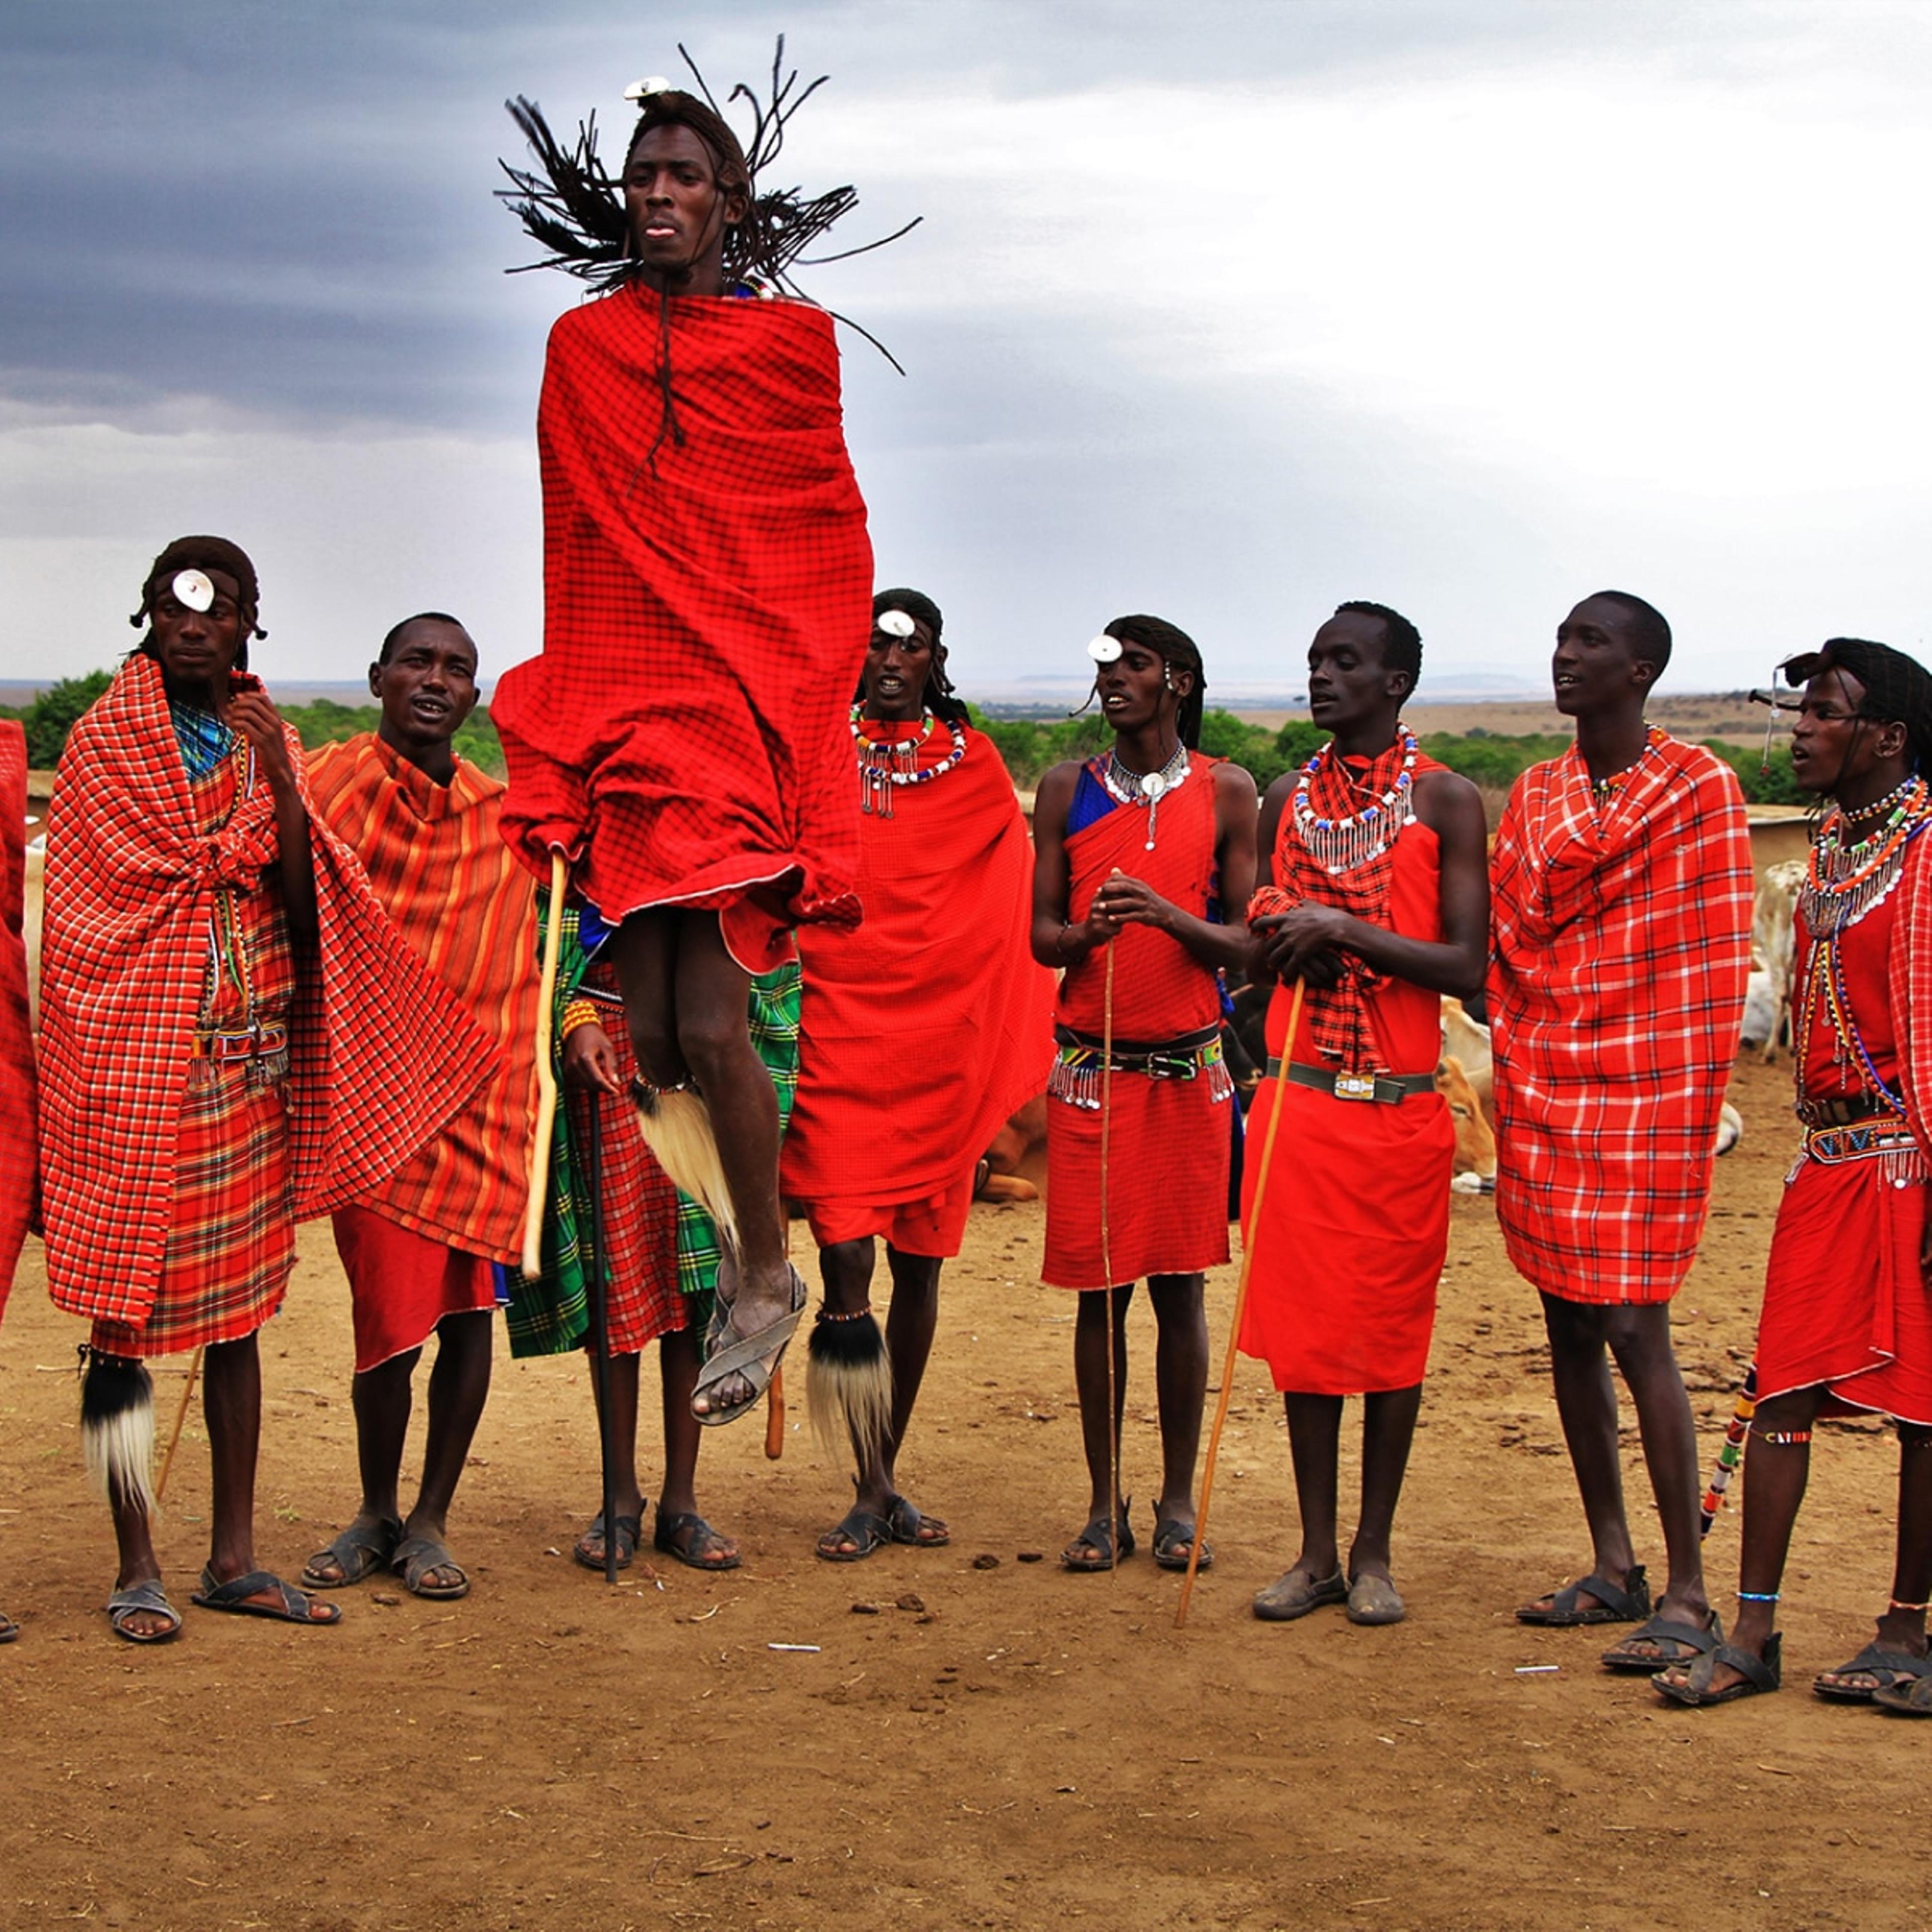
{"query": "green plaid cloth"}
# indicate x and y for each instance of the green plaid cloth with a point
(551, 1316)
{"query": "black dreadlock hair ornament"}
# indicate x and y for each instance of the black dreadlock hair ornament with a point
(1897, 688)
(914, 606)
(571, 206)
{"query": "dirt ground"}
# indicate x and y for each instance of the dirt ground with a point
(1001, 1746)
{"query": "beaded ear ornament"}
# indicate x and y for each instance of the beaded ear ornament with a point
(192, 590)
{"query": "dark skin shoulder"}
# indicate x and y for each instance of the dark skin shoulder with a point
(1306, 942)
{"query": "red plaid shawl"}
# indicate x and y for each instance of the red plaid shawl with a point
(707, 607)
(436, 857)
(16, 1045)
(1616, 991)
(382, 1055)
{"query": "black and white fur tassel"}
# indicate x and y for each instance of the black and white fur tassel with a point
(848, 1382)
(117, 1429)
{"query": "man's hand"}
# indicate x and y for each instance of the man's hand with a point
(590, 1061)
(1304, 933)
(253, 713)
(1272, 955)
(1125, 901)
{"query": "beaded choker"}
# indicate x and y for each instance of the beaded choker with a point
(1844, 881)
(1147, 788)
(1602, 790)
(1341, 844)
(883, 763)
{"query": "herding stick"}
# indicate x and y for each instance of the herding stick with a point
(1240, 1304)
(181, 1416)
(533, 1211)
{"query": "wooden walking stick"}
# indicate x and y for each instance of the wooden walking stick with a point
(775, 1416)
(1241, 1302)
(1731, 1453)
(533, 1211)
(597, 1283)
(181, 1416)
(1107, 1268)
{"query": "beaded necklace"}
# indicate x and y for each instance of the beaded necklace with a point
(1341, 844)
(883, 763)
(1603, 790)
(1128, 786)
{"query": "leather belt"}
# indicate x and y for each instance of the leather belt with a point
(1843, 1111)
(245, 1045)
(1389, 1089)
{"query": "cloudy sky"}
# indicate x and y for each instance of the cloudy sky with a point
(1226, 311)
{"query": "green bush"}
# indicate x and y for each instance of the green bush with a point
(52, 715)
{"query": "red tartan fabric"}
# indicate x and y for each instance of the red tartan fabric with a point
(401, 1283)
(886, 1118)
(639, 1203)
(1338, 1017)
(1160, 989)
(1616, 990)
(706, 608)
(1846, 1303)
(1355, 1224)
(382, 1055)
(436, 857)
(1911, 986)
(17, 1154)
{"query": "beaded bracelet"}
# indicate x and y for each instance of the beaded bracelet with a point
(1794, 1438)
(578, 1013)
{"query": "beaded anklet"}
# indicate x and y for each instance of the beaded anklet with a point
(1785, 1438)
(832, 1315)
(1760, 1596)
(1893, 1604)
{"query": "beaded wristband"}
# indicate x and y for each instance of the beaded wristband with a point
(578, 1013)
(1793, 1438)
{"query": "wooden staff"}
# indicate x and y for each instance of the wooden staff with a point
(533, 1212)
(1241, 1302)
(1107, 1268)
(1731, 1453)
(775, 1416)
(181, 1416)
(597, 1283)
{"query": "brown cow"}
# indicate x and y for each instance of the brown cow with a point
(1474, 1170)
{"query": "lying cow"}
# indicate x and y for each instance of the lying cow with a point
(1473, 1171)
(1774, 941)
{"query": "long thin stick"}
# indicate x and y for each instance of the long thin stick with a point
(1107, 1269)
(1240, 1304)
(1731, 1453)
(533, 1211)
(600, 1335)
(181, 1416)
(775, 1416)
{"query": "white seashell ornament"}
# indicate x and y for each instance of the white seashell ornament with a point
(193, 591)
(894, 623)
(642, 90)
(1104, 650)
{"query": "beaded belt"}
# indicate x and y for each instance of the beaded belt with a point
(250, 1043)
(1077, 1066)
(1886, 1138)
(1844, 1110)
(1390, 1089)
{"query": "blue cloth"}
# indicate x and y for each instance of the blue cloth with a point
(205, 741)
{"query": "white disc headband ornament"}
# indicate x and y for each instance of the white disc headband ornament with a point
(1104, 650)
(642, 90)
(895, 624)
(193, 591)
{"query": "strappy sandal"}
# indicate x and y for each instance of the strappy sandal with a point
(1690, 1641)
(1629, 1604)
(292, 1606)
(9, 1629)
(1757, 1675)
(147, 1595)
(1893, 1668)
(1093, 1548)
(1173, 1540)
(685, 1536)
(862, 1529)
(755, 1357)
(417, 1559)
(910, 1524)
(630, 1529)
(362, 1550)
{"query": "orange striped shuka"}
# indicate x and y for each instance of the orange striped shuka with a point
(140, 863)
(16, 1045)
(435, 856)
(1622, 941)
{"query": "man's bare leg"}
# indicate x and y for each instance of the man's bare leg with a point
(1586, 1402)
(677, 1376)
(1314, 1446)
(459, 1385)
(684, 999)
(1100, 1322)
(623, 1431)
(1180, 1388)
(1388, 1432)
(133, 1536)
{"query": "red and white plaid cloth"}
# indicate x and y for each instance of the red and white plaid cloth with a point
(1622, 941)
(706, 605)
(16, 1045)
(382, 1055)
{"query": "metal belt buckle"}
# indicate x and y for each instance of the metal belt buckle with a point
(1354, 1086)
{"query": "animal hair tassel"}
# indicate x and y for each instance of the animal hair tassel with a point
(848, 1382)
(117, 1429)
(677, 1129)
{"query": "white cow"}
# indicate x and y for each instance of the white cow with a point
(1775, 939)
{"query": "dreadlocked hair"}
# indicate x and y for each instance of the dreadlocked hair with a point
(570, 204)
(1178, 648)
(1402, 642)
(939, 697)
(204, 553)
(1898, 689)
